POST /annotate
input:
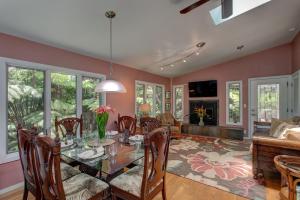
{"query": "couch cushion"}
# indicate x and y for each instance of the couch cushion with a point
(277, 125)
(281, 130)
(83, 186)
(293, 134)
(67, 171)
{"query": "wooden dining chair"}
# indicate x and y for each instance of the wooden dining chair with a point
(148, 124)
(145, 182)
(68, 126)
(80, 186)
(127, 123)
(27, 156)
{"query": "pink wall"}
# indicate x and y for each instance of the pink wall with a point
(17, 48)
(275, 61)
(296, 53)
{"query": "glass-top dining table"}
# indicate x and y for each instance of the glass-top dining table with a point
(109, 164)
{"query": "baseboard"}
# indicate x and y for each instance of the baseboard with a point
(11, 188)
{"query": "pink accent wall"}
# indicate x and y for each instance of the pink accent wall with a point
(296, 53)
(271, 62)
(17, 48)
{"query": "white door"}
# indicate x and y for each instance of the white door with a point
(268, 98)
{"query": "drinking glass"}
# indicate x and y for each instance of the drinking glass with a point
(113, 149)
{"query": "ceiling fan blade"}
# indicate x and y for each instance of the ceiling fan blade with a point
(193, 6)
(226, 8)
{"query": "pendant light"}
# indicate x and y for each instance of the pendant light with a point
(110, 85)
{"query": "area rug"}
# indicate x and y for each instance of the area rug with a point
(221, 163)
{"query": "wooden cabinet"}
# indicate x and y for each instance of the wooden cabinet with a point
(214, 131)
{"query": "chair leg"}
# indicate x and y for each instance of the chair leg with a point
(163, 192)
(25, 193)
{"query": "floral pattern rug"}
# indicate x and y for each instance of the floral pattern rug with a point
(221, 163)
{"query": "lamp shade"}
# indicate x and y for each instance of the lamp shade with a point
(145, 108)
(110, 86)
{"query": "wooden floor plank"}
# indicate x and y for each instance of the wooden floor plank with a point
(179, 188)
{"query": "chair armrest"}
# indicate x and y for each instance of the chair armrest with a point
(274, 142)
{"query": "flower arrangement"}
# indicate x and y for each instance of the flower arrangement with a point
(102, 115)
(201, 112)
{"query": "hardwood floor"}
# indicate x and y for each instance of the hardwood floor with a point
(179, 188)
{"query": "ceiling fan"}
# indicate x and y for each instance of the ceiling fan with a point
(226, 6)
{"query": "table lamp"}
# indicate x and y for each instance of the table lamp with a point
(145, 109)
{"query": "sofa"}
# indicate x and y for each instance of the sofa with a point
(265, 147)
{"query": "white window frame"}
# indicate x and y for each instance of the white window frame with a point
(151, 84)
(48, 69)
(174, 100)
(240, 82)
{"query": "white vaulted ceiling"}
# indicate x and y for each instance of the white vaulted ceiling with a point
(147, 32)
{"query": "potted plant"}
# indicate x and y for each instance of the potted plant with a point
(102, 115)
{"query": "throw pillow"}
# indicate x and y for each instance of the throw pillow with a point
(293, 134)
(275, 123)
(282, 129)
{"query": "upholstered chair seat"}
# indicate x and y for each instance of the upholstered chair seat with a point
(83, 187)
(130, 181)
(68, 171)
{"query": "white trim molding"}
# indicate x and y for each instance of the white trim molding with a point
(11, 188)
(240, 82)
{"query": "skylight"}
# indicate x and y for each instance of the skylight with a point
(239, 7)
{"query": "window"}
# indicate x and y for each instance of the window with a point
(25, 101)
(268, 102)
(34, 94)
(63, 97)
(150, 93)
(234, 103)
(178, 101)
(90, 101)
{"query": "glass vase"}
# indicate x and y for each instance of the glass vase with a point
(101, 124)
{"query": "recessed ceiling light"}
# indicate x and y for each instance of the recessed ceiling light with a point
(200, 44)
(172, 65)
(240, 47)
(161, 69)
(197, 53)
(184, 60)
(292, 29)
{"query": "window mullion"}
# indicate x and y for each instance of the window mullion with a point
(3, 111)
(78, 98)
(47, 102)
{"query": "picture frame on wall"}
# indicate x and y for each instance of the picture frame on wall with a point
(168, 94)
(168, 107)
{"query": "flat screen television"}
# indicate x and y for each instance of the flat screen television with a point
(203, 88)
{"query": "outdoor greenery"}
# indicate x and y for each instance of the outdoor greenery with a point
(268, 102)
(234, 103)
(150, 94)
(178, 103)
(26, 100)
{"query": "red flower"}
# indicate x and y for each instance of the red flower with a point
(223, 166)
(102, 109)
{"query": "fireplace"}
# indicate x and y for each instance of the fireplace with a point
(212, 112)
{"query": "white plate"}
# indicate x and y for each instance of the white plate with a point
(136, 138)
(90, 154)
(111, 133)
(63, 145)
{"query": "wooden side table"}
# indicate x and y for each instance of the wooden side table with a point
(289, 167)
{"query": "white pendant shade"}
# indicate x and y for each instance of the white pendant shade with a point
(110, 86)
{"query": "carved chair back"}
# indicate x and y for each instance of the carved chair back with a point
(68, 126)
(156, 146)
(27, 157)
(148, 124)
(127, 123)
(48, 167)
